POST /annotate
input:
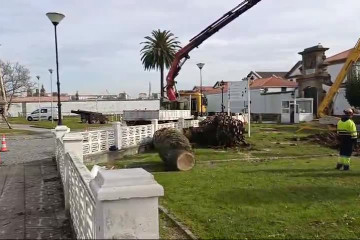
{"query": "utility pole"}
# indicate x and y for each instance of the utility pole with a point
(38, 78)
(52, 114)
(200, 66)
(3, 101)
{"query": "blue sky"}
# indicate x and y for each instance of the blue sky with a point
(99, 40)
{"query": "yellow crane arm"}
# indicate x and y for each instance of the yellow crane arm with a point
(351, 59)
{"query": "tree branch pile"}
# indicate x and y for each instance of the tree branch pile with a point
(219, 130)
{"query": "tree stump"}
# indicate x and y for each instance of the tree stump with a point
(174, 149)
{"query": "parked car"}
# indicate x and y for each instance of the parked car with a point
(45, 114)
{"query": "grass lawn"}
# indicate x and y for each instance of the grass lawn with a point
(71, 122)
(11, 132)
(272, 199)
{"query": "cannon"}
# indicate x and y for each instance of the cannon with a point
(91, 117)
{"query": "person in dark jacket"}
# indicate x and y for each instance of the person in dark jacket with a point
(347, 131)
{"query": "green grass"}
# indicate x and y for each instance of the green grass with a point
(286, 199)
(301, 198)
(11, 132)
(71, 122)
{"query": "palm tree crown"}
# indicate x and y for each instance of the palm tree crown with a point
(158, 52)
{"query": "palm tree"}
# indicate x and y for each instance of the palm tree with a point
(158, 52)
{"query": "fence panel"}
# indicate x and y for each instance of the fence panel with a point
(98, 141)
(81, 199)
(136, 135)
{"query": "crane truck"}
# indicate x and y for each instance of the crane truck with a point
(174, 100)
(183, 54)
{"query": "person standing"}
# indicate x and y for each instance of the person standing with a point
(347, 131)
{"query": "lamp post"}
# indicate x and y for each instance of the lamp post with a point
(56, 18)
(249, 78)
(38, 78)
(222, 84)
(51, 95)
(200, 66)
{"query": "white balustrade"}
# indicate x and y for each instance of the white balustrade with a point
(98, 141)
(120, 204)
(123, 137)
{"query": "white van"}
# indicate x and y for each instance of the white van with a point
(45, 114)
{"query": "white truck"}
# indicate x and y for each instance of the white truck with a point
(46, 113)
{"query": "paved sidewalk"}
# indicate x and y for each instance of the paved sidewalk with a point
(31, 202)
(31, 196)
(28, 148)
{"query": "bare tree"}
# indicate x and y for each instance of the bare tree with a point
(16, 79)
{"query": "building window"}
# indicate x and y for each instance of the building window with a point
(285, 104)
(305, 106)
(283, 89)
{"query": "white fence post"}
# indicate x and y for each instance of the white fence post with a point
(126, 204)
(181, 123)
(155, 124)
(60, 131)
(118, 134)
(72, 143)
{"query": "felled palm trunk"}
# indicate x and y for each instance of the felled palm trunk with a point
(174, 149)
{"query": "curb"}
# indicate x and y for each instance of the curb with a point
(264, 159)
(185, 229)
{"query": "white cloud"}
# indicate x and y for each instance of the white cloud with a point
(99, 40)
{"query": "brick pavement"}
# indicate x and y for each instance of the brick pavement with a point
(31, 197)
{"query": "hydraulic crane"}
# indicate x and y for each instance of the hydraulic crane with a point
(353, 57)
(183, 54)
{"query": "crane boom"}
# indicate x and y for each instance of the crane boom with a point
(183, 54)
(353, 57)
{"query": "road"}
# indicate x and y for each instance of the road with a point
(31, 197)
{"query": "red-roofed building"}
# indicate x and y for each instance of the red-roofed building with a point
(42, 99)
(338, 58)
(274, 83)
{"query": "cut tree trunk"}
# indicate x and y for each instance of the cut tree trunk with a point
(174, 149)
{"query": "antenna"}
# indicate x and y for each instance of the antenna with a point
(149, 89)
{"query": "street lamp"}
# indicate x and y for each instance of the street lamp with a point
(51, 92)
(38, 78)
(56, 18)
(222, 85)
(200, 66)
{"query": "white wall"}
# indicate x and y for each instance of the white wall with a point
(106, 107)
(340, 102)
(270, 103)
(214, 104)
(334, 71)
(267, 103)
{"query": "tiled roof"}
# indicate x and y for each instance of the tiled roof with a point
(270, 74)
(42, 99)
(212, 90)
(340, 57)
(271, 82)
(204, 88)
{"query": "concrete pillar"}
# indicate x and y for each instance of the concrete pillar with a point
(73, 142)
(155, 124)
(60, 131)
(118, 134)
(126, 204)
(181, 122)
